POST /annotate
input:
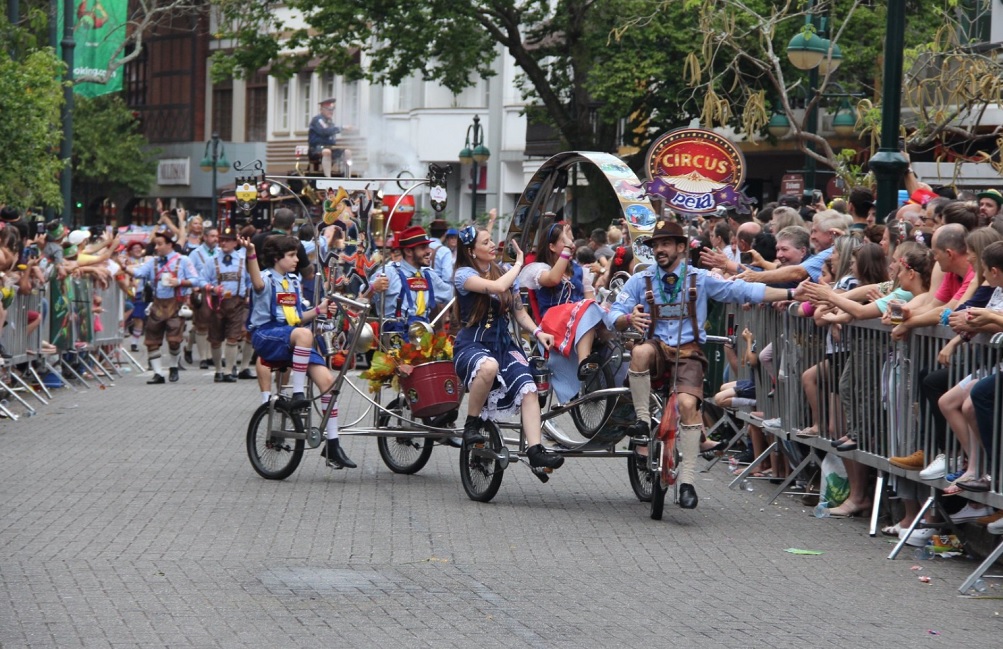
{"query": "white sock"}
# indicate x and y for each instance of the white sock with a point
(202, 344)
(174, 359)
(230, 355)
(331, 431)
(245, 355)
(156, 365)
(689, 449)
(217, 358)
(640, 393)
(265, 396)
(301, 361)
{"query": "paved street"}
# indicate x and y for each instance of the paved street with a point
(131, 517)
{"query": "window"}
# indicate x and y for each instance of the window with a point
(222, 111)
(256, 118)
(305, 107)
(282, 107)
(327, 87)
(349, 105)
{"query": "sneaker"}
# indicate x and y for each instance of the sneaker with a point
(971, 512)
(919, 537)
(936, 470)
(991, 518)
(772, 423)
(913, 462)
(996, 527)
(953, 477)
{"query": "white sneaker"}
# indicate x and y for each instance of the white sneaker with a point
(936, 470)
(772, 423)
(971, 512)
(919, 536)
(996, 527)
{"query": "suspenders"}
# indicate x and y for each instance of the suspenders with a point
(691, 304)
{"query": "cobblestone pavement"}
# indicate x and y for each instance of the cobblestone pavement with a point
(131, 518)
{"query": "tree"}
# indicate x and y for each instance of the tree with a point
(111, 158)
(739, 73)
(562, 49)
(30, 99)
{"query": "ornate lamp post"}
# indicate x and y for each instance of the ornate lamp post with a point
(478, 155)
(215, 161)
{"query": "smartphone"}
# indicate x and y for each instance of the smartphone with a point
(816, 197)
(39, 227)
(745, 257)
(901, 144)
(510, 250)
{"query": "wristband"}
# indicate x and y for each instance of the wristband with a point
(565, 254)
(790, 294)
(629, 319)
(537, 331)
(250, 257)
(944, 315)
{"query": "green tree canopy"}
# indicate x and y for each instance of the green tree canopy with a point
(569, 65)
(108, 149)
(30, 99)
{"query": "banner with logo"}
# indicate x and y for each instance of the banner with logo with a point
(695, 171)
(99, 31)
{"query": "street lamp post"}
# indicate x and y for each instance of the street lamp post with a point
(215, 161)
(888, 163)
(811, 50)
(478, 155)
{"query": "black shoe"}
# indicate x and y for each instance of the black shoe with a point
(472, 431)
(455, 442)
(589, 367)
(745, 457)
(156, 380)
(540, 458)
(246, 374)
(203, 365)
(173, 374)
(223, 378)
(639, 429)
(847, 446)
(298, 401)
(188, 356)
(335, 455)
(134, 348)
(688, 496)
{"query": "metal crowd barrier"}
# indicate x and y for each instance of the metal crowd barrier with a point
(879, 402)
(80, 348)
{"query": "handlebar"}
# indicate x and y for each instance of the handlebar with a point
(341, 299)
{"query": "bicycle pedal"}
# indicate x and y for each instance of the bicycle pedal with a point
(542, 474)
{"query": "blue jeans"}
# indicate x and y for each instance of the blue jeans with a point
(983, 397)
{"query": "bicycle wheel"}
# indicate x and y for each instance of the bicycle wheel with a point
(639, 474)
(481, 475)
(275, 441)
(658, 486)
(589, 416)
(406, 454)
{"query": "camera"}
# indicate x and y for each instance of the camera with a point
(510, 250)
(745, 257)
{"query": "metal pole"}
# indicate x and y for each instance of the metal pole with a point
(473, 199)
(66, 147)
(812, 127)
(889, 163)
(215, 158)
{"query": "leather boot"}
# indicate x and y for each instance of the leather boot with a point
(540, 458)
(335, 455)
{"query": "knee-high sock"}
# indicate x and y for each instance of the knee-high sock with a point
(301, 361)
(155, 364)
(331, 432)
(174, 358)
(689, 449)
(325, 162)
(230, 355)
(202, 344)
(640, 393)
(245, 356)
(217, 358)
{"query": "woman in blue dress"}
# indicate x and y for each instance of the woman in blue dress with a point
(488, 361)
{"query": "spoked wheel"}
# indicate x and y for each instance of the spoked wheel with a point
(405, 454)
(589, 416)
(639, 473)
(275, 441)
(480, 469)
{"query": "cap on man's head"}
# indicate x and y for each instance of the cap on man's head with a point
(992, 194)
(452, 232)
(328, 102)
(228, 233)
(438, 227)
(9, 214)
(412, 237)
(55, 230)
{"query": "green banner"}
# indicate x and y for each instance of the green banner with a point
(99, 32)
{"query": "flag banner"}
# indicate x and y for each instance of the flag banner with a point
(99, 32)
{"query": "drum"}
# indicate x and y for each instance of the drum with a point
(431, 389)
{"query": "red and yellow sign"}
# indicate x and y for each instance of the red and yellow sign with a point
(695, 170)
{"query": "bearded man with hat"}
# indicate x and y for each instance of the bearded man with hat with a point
(410, 289)
(226, 290)
(668, 303)
(990, 202)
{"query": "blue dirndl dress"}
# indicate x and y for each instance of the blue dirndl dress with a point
(490, 338)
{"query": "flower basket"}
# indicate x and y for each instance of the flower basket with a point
(431, 389)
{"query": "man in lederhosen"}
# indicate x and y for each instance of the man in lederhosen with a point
(422, 288)
(202, 256)
(172, 277)
(668, 302)
(226, 286)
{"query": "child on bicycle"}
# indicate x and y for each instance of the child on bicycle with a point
(277, 333)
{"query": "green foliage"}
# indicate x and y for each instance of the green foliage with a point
(30, 100)
(108, 148)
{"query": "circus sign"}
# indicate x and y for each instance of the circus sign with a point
(695, 170)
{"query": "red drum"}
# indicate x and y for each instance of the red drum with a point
(431, 389)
